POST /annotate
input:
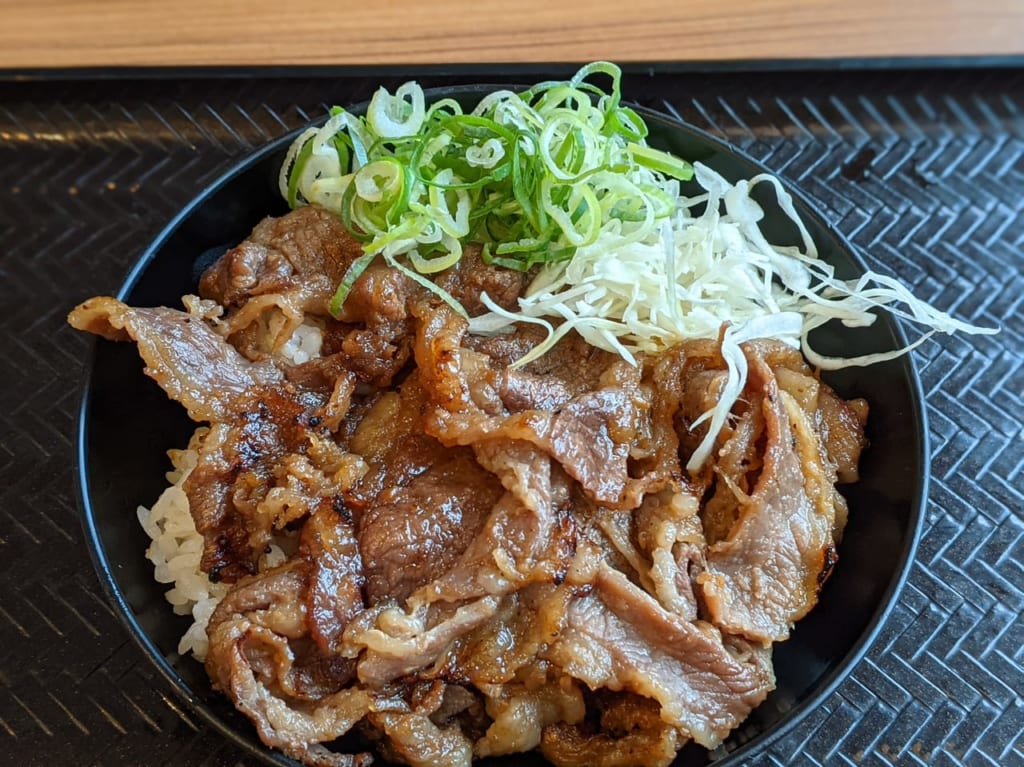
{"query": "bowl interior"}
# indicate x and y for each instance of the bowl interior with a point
(127, 424)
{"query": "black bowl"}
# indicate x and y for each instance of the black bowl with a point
(127, 424)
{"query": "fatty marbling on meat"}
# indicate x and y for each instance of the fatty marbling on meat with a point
(483, 560)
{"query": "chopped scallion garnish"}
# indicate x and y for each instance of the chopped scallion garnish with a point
(532, 176)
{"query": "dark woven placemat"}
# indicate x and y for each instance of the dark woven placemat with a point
(923, 171)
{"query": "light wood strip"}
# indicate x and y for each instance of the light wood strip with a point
(99, 33)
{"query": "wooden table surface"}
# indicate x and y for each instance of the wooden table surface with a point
(130, 33)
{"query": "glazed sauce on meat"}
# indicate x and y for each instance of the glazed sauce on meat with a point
(481, 560)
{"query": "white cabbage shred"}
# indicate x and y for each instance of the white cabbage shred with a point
(700, 271)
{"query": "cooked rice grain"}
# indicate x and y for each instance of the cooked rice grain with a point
(177, 548)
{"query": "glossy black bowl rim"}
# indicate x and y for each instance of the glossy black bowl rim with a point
(791, 719)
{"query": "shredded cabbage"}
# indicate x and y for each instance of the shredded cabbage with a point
(700, 272)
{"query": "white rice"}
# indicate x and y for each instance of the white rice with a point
(177, 547)
(304, 344)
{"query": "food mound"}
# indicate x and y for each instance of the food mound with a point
(480, 559)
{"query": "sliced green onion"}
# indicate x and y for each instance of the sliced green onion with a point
(439, 263)
(355, 271)
(527, 175)
(433, 287)
(663, 162)
(301, 158)
(398, 115)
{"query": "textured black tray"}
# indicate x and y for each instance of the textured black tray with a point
(923, 171)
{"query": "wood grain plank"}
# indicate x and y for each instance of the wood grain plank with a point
(97, 33)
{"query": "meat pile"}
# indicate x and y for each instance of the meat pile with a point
(483, 560)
